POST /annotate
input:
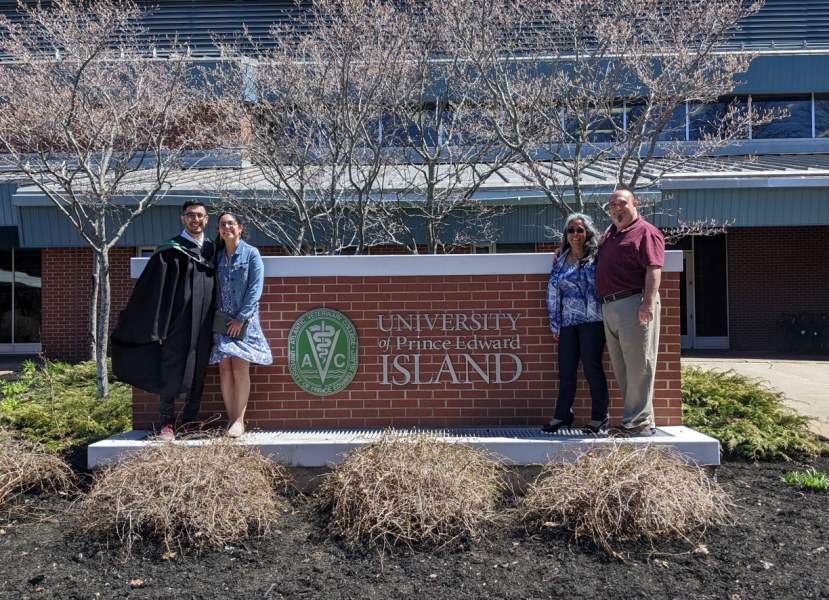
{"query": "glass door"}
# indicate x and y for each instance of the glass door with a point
(20, 301)
(704, 293)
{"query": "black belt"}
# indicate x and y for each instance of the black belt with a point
(620, 295)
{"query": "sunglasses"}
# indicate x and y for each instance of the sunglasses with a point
(572, 230)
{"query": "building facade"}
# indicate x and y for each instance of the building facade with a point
(759, 287)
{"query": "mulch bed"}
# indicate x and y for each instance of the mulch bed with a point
(779, 548)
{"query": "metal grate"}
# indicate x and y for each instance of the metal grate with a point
(347, 435)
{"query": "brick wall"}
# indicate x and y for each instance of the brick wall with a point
(66, 291)
(771, 271)
(277, 402)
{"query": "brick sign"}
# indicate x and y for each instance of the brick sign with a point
(458, 340)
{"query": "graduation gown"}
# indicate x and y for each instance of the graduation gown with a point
(172, 302)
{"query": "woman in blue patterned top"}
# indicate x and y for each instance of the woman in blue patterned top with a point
(240, 275)
(576, 321)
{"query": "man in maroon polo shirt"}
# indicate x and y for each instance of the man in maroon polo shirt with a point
(628, 274)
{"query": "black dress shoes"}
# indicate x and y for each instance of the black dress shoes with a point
(556, 424)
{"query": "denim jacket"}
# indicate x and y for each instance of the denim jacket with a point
(571, 294)
(247, 279)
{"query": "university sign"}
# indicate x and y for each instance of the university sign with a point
(323, 351)
(420, 340)
(414, 349)
(450, 348)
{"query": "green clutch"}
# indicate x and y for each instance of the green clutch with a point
(220, 321)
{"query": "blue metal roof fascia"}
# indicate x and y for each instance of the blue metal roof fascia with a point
(786, 73)
(767, 207)
(8, 212)
(9, 218)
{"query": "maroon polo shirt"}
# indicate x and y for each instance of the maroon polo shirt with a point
(624, 257)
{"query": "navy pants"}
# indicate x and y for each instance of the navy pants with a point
(583, 342)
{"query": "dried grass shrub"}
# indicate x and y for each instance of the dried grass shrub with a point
(414, 490)
(182, 496)
(26, 467)
(626, 492)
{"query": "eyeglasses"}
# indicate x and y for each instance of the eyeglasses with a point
(195, 216)
(228, 224)
(572, 230)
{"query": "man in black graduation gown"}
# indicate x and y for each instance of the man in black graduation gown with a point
(162, 341)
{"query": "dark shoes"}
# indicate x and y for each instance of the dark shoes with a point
(600, 427)
(556, 424)
(636, 431)
(597, 427)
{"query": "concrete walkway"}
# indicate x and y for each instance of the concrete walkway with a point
(9, 363)
(804, 380)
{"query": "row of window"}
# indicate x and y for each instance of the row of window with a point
(804, 116)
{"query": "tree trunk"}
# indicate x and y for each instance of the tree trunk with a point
(101, 346)
(92, 312)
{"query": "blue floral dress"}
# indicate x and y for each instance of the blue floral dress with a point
(253, 348)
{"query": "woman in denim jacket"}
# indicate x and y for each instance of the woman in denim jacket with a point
(240, 276)
(576, 322)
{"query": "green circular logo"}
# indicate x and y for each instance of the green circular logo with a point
(322, 351)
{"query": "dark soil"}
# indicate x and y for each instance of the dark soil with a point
(779, 548)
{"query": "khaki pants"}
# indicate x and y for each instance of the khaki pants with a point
(633, 348)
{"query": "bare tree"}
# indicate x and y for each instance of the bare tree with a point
(313, 108)
(366, 130)
(595, 92)
(91, 115)
(442, 143)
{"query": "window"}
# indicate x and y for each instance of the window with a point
(822, 115)
(712, 120)
(676, 129)
(420, 127)
(20, 296)
(797, 124)
(514, 248)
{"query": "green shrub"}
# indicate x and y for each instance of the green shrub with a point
(57, 405)
(745, 415)
(810, 479)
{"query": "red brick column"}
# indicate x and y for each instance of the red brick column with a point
(370, 291)
(67, 287)
(767, 278)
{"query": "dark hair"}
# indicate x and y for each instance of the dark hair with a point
(220, 243)
(591, 242)
(192, 202)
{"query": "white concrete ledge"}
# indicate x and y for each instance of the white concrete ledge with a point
(531, 263)
(517, 446)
